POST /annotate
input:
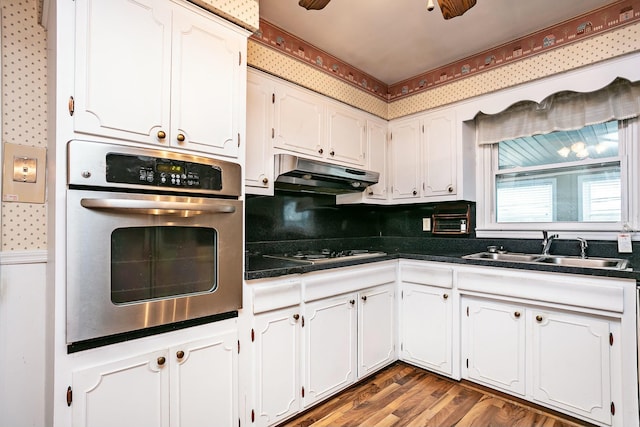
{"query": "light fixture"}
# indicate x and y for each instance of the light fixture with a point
(578, 147)
(564, 151)
(430, 5)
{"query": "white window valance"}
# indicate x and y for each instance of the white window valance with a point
(561, 111)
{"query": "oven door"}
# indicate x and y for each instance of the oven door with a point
(136, 261)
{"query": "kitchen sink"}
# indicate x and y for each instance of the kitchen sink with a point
(559, 260)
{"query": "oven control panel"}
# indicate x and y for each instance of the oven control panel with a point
(161, 172)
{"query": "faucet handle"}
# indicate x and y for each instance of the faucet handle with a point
(583, 246)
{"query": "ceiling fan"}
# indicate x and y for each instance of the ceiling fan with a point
(449, 8)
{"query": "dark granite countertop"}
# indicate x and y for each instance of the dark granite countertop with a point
(259, 267)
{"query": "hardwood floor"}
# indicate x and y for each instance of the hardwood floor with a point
(403, 395)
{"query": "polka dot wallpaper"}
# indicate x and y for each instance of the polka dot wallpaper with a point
(24, 113)
(242, 12)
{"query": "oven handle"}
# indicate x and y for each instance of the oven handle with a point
(155, 207)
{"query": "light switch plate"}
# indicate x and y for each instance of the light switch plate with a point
(426, 224)
(23, 173)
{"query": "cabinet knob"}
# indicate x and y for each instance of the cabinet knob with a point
(352, 302)
(445, 296)
(161, 134)
(179, 354)
(370, 193)
(180, 137)
(296, 316)
(161, 360)
(320, 151)
(516, 314)
(333, 153)
(364, 297)
(450, 189)
(265, 180)
(415, 192)
(539, 318)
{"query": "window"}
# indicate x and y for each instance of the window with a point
(563, 176)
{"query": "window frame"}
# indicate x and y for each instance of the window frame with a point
(488, 227)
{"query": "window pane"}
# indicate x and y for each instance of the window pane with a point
(601, 199)
(528, 200)
(591, 142)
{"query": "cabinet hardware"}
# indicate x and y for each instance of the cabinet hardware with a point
(352, 302)
(539, 318)
(415, 192)
(253, 415)
(296, 316)
(239, 58)
(69, 396)
(180, 354)
(238, 139)
(445, 296)
(161, 134)
(72, 105)
(467, 363)
(517, 314)
(320, 151)
(370, 193)
(302, 391)
(613, 408)
(332, 153)
(273, 98)
(265, 180)
(450, 189)
(610, 338)
(161, 360)
(273, 132)
(364, 297)
(238, 346)
(253, 335)
(180, 137)
(303, 321)
(467, 311)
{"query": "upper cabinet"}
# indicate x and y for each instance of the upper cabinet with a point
(285, 118)
(171, 74)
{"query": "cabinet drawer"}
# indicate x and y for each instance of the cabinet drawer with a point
(429, 274)
(275, 295)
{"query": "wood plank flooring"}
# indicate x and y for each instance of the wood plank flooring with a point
(403, 395)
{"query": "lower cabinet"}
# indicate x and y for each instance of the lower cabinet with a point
(557, 358)
(308, 352)
(177, 386)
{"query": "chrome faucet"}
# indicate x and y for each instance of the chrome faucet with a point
(546, 242)
(583, 247)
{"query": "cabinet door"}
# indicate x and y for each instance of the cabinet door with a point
(377, 153)
(133, 392)
(259, 156)
(570, 363)
(122, 78)
(493, 339)
(299, 121)
(330, 347)
(204, 382)
(405, 160)
(277, 379)
(346, 130)
(426, 327)
(439, 155)
(207, 84)
(376, 335)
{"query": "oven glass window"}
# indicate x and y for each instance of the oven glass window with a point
(149, 263)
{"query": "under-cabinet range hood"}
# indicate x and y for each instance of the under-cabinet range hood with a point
(299, 174)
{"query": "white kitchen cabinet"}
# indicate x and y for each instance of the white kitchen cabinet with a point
(178, 386)
(171, 74)
(404, 156)
(426, 327)
(439, 154)
(494, 344)
(570, 362)
(346, 134)
(377, 151)
(376, 331)
(330, 346)
(299, 121)
(259, 161)
(556, 358)
(277, 360)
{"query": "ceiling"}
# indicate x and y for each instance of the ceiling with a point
(393, 40)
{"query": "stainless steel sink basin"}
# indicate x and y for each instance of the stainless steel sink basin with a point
(559, 260)
(611, 263)
(508, 257)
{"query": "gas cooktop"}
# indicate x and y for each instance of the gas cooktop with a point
(327, 255)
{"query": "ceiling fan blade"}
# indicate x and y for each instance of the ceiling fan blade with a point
(452, 8)
(313, 4)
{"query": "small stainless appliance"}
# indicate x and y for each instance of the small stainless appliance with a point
(153, 238)
(327, 255)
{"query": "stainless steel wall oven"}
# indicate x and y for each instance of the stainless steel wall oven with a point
(154, 238)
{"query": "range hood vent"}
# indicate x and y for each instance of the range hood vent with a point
(298, 174)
